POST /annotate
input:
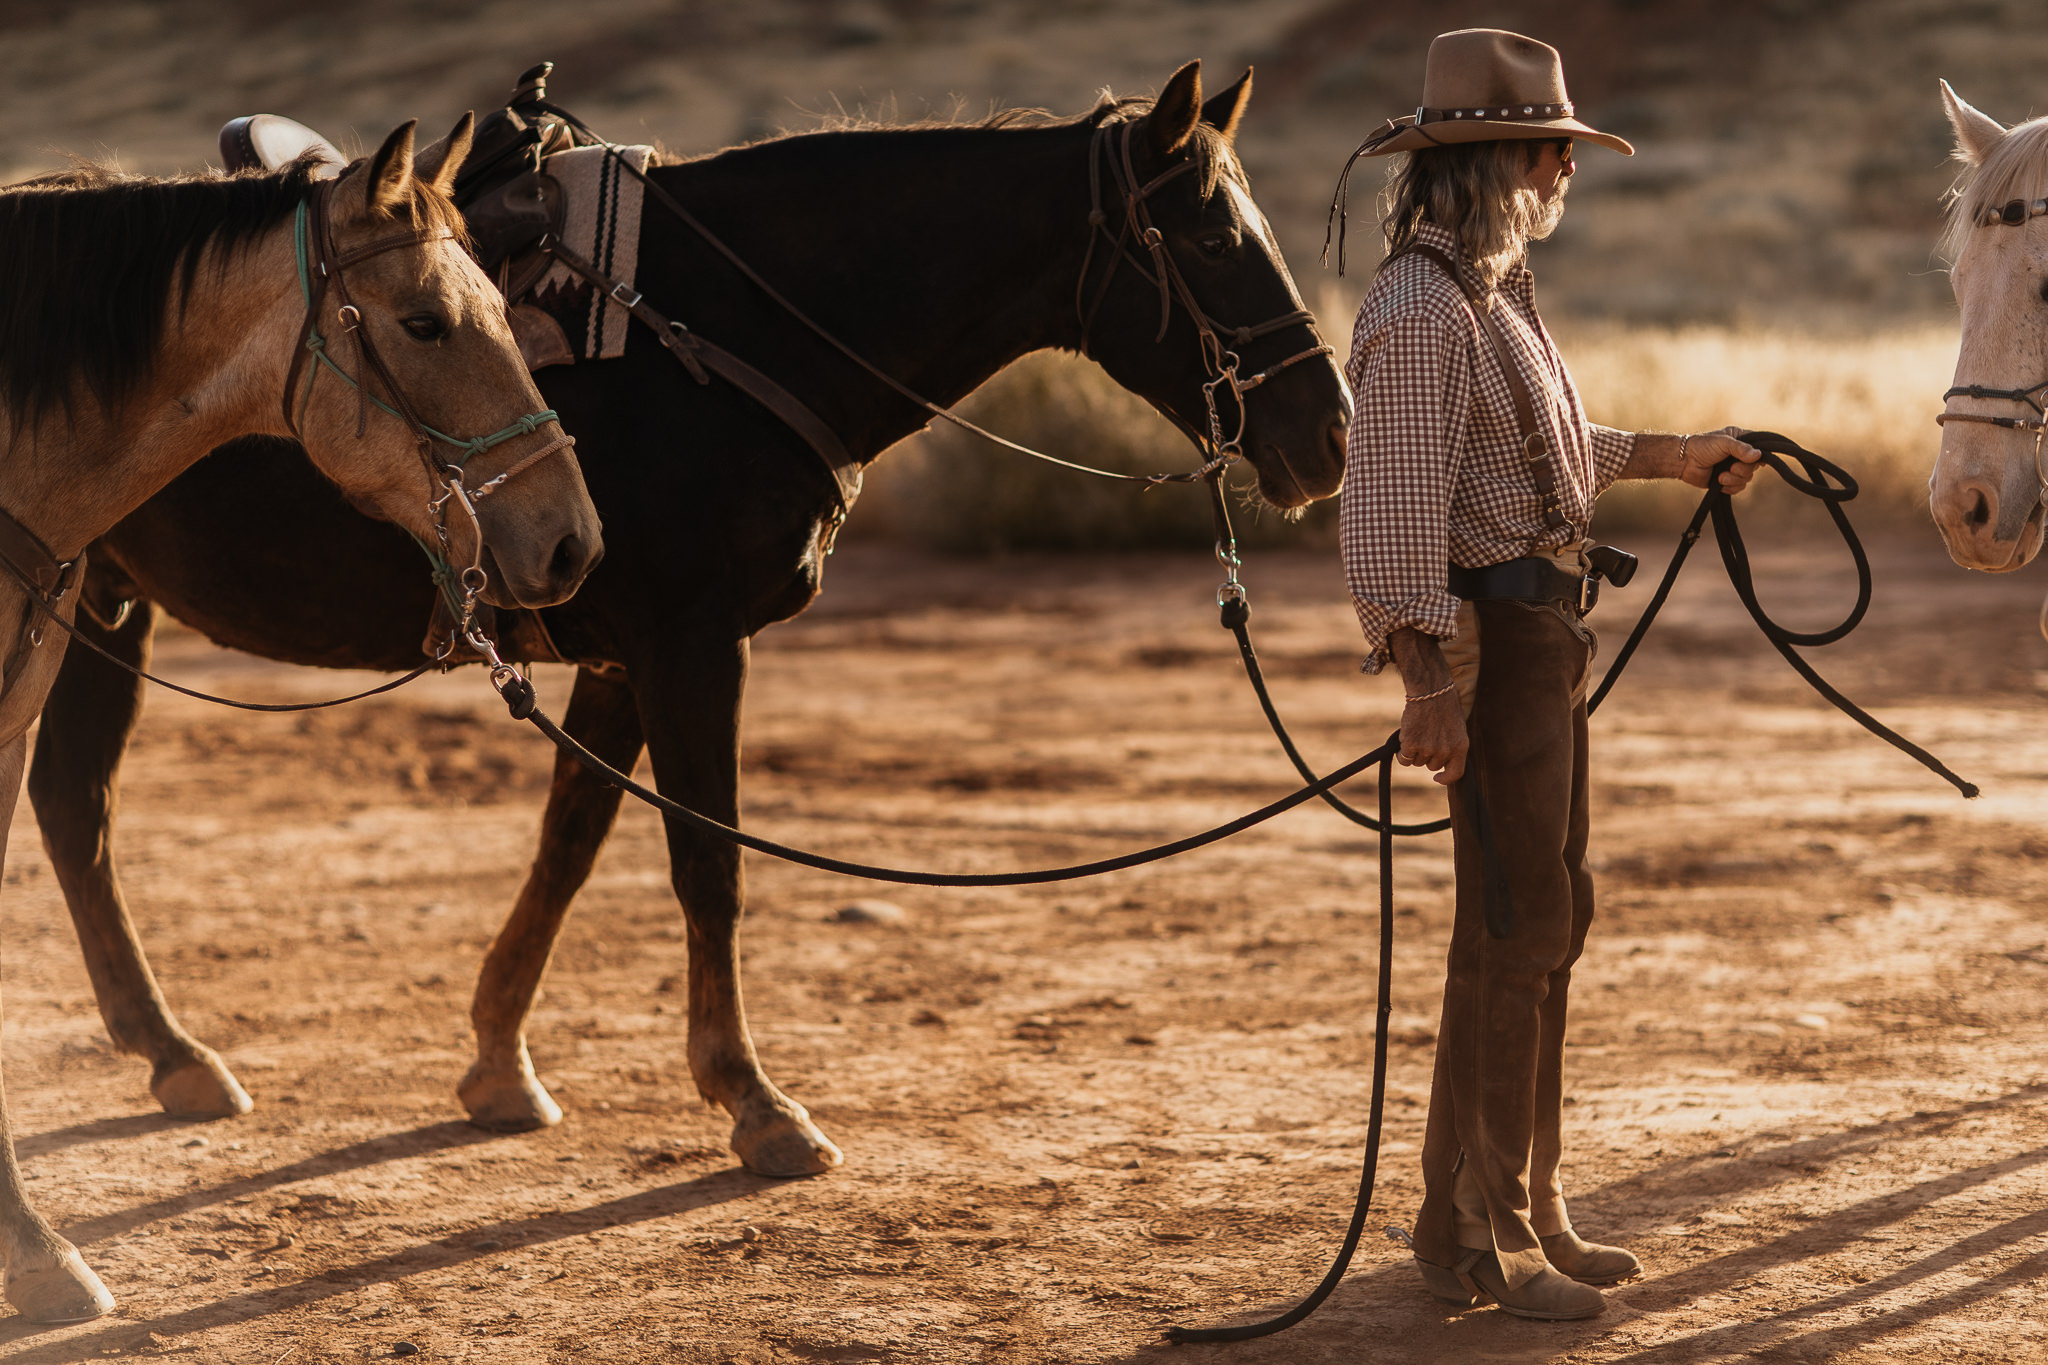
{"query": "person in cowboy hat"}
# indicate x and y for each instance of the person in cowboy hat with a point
(1469, 488)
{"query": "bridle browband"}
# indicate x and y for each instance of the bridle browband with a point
(1136, 228)
(320, 265)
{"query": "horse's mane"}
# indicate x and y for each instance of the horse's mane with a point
(1213, 151)
(2016, 169)
(91, 256)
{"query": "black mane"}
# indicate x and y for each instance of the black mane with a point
(1215, 157)
(90, 255)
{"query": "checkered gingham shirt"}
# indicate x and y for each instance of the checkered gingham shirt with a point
(1434, 469)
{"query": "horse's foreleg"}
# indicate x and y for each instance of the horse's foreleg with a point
(501, 1091)
(47, 1280)
(690, 711)
(87, 721)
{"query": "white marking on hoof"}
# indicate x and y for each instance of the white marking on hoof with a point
(786, 1146)
(202, 1088)
(66, 1291)
(508, 1104)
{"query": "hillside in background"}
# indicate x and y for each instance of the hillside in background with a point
(1792, 152)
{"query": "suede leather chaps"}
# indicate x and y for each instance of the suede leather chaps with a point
(1491, 1148)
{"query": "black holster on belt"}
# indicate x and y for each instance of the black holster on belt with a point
(1540, 578)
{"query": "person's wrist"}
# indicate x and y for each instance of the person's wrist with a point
(1443, 691)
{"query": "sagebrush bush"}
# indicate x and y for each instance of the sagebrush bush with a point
(951, 490)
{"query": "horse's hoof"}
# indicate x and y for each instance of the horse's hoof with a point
(66, 1291)
(201, 1088)
(514, 1104)
(785, 1147)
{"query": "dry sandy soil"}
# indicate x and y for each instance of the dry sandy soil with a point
(1805, 1068)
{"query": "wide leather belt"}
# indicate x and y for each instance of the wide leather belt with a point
(1534, 578)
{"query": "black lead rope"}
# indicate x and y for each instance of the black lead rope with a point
(519, 697)
(1822, 480)
(49, 610)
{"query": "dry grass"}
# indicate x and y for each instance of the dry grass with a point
(1865, 401)
(950, 490)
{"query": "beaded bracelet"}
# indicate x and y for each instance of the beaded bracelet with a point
(1432, 696)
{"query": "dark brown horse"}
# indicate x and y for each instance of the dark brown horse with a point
(941, 254)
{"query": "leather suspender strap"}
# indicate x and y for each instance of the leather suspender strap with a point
(699, 356)
(1536, 450)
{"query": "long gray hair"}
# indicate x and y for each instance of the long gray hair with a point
(1476, 191)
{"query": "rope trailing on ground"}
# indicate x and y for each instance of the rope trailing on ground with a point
(1823, 480)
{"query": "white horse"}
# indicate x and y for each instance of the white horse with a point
(1987, 492)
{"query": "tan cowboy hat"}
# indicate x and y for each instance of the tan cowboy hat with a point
(1485, 84)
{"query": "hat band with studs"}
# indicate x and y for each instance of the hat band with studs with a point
(1495, 113)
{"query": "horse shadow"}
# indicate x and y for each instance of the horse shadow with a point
(1384, 1313)
(1376, 1313)
(716, 1187)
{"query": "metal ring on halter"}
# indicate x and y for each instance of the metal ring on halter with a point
(350, 317)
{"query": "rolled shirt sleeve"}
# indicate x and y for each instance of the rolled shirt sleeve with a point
(1411, 374)
(1612, 451)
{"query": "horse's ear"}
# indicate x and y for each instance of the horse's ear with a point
(1976, 132)
(1177, 110)
(1223, 112)
(390, 184)
(438, 164)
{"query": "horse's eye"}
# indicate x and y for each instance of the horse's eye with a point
(424, 326)
(1216, 244)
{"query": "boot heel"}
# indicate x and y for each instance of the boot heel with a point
(1447, 1285)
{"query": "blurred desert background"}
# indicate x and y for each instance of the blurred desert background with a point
(1806, 1059)
(1766, 257)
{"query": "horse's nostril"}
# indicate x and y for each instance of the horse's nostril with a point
(1979, 511)
(570, 561)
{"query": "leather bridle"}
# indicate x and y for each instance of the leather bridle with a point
(1137, 230)
(320, 265)
(2014, 213)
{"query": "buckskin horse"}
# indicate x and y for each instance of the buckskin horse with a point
(143, 322)
(938, 253)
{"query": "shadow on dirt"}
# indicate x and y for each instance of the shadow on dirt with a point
(1387, 1307)
(718, 1187)
(99, 1130)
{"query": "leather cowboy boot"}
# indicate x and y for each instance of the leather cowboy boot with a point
(1547, 1295)
(1589, 1262)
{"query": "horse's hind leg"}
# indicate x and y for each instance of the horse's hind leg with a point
(501, 1092)
(47, 1280)
(87, 721)
(690, 711)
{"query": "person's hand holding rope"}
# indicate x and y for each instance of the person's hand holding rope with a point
(1697, 455)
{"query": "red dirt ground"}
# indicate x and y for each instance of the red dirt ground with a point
(1806, 1067)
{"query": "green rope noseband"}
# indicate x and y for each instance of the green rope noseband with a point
(317, 344)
